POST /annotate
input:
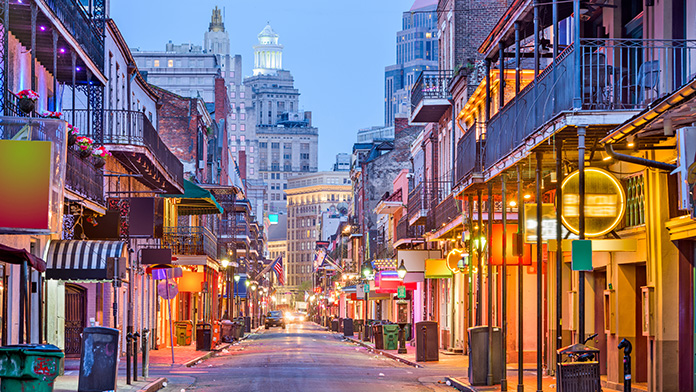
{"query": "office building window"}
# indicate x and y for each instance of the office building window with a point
(170, 63)
(242, 116)
(242, 127)
(156, 63)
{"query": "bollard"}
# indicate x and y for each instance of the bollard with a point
(136, 335)
(129, 338)
(627, 347)
(146, 354)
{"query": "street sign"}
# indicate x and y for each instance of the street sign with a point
(581, 255)
(366, 287)
(166, 273)
(167, 290)
(401, 292)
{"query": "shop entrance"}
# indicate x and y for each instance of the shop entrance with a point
(75, 318)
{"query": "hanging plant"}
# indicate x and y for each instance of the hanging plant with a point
(27, 100)
(100, 153)
(72, 134)
(84, 143)
(57, 115)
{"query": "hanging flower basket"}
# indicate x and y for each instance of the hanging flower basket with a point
(100, 153)
(27, 100)
(57, 115)
(72, 135)
(84, 143)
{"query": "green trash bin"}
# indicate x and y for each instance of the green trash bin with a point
(183, 330)
(391, 336)
(29, 367)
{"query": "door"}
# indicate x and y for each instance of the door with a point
(75, 318)
(600, 342)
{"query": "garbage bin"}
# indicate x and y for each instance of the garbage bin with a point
(391, 336)
(215, 334)
(99, 359)
(183, 331)
(358, 327)
(578, 376)
(378, 335)
(427, 341)
(29, 367)
(334, 325)
(204, 336)
(242, 326)
(247, 324)
(347, 327)
(340, 324)
(478, 355)
(227, 328)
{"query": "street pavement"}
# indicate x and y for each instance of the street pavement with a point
(303, 357)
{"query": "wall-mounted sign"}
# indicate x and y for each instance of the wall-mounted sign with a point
(548, 223)
(605, 202)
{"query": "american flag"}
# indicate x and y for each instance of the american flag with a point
(278, 268)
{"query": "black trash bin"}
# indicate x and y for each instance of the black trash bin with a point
(378, 335)
(478, 355)
(204, 336)
(347, 327)
(578, 376)
(334, 325)
(247, 324)
(340, 324)
(99, 359)
(427, 341)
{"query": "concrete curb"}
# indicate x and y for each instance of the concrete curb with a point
(385, 353)
(460, 385)
(207, 355)
(154, 386)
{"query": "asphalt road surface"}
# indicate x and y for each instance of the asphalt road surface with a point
(303, 357)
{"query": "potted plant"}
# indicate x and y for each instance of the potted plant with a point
(100, 153)
(72, 134)
(57, 115)
(27, 100)
(85, 145)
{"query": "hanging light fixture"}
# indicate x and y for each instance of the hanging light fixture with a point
(367, 270)
(401, 271)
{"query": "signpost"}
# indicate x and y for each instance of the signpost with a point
(168, 291)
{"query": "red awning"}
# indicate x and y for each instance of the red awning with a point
(17, 256)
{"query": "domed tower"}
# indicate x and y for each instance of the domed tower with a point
(268, 54)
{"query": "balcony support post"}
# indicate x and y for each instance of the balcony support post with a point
(577, 100)
(488, 91)
(501, 76)
(54, 34)
(520, 281)
(74, 64)
(539, 267)
(559, 246)
(479, 275)
(554, 12)
(503, 301)
(489, 281)
(581, 230)
(470, 267)
(518, 57)
(88, 90)
(34, 13)
(536, 38)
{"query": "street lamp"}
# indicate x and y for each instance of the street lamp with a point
(225, 263)
(234, 295)
(367, 270)
(401, 271)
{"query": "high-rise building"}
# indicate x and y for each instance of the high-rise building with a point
(308, 197)
(342, 162)
(416, 50)
(287, 141)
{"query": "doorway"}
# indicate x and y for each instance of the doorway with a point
(75, 318)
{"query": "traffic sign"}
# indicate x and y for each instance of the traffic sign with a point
(167, 290)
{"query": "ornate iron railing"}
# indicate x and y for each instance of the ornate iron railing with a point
(190, 240)
(81, 27)
(83, 178)
(405, 231)
(470, 151)
(430, 84)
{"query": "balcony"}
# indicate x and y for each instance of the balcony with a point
(417, 205)
(446, 211)
(619, 77)
(133, 140)
(430, 96)
(83, 179)
(190, 241)
(405, 232)
(470, 155)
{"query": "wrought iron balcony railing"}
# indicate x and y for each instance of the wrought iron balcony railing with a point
(470, 152)
(190, 240)
(128, 127)
(430, 95)
(446, 211)
(405, 231)
(616, 74)
(83, 178)
(81, 27)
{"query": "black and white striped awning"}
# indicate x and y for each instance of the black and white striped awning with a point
(83, 260)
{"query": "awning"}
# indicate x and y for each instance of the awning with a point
(18, 256)
(196, 201)
(83, 260)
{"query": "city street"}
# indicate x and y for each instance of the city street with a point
(302, 357)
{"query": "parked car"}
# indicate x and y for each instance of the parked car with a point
(295, 317)
(275, 318)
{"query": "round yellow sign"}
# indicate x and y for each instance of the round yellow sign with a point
(605, 202)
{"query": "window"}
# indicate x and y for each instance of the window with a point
(156, 63)
(263, 144)
(288, 156)
(275, 145)
(233, 148)
(242, 127)
(233, 138)
(242, 116)
(304, 156)
(242, 139)
(241, 94)
(233, 127)
(231, 74)
(251, 148)
(241, 106)
(233, 94)
(233, 116)
(170, 63)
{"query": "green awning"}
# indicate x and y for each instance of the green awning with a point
(196, 201)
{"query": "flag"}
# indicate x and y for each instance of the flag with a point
(319, 256)
(278, 269)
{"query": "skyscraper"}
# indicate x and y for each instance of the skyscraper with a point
(416, 50)
(287, 141)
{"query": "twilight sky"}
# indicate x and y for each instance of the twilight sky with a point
(336, 50)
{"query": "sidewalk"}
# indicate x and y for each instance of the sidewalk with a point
(457, 365)
(160, 362)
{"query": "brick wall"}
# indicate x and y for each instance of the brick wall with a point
(222, 110)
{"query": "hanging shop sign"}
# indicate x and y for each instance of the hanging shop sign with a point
(605, 202)
(548, 223)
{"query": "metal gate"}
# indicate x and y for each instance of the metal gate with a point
(75, 318)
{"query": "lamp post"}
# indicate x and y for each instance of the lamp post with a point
(367, 272)
(401, 271)
(234, 294)
(226, 263)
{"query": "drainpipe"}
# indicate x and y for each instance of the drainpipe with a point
(638, 160)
